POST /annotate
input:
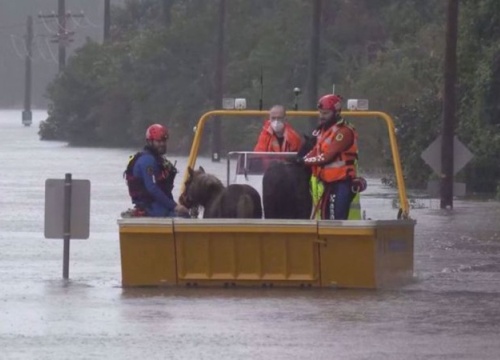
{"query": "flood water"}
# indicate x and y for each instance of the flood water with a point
(451, 311)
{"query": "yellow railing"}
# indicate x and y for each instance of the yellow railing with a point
(362, 114)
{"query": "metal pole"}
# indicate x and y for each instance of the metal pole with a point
(63, 36)
(312, 83)
(450, 74)
(219, 82)
(66, 224)
(27, 115)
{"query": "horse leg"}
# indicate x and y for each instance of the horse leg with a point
(213, 209)
(279, 194)
(257, 204)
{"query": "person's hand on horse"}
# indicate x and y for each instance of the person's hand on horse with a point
(194, 212)
(181, 210)
(299, 160)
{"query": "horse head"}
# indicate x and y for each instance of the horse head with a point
(185, 199)
(199, 187)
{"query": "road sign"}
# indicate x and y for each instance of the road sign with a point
(27, 117)
(54, 209)
(432, 155)
(434, 188)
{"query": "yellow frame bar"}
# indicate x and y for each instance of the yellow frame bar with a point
(362, 114)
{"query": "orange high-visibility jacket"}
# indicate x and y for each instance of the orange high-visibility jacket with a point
(269, 142)
(343, 165)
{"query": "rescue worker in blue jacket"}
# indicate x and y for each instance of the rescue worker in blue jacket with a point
(150, 178)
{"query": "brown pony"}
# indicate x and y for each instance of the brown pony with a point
(235, 201)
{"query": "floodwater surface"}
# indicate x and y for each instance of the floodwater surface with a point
(450, 311)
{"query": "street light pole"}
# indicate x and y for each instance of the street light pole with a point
(450, 74)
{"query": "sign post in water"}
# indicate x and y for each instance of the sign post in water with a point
(67, 212)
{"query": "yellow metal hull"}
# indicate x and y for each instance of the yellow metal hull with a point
(233, 252)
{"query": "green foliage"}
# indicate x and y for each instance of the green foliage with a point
(479, 96)
(417, 126)
(160, 63)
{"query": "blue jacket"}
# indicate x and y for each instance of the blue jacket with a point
(150, 173)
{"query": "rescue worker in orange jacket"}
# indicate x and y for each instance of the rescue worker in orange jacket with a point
(333, 159)
(277, 135)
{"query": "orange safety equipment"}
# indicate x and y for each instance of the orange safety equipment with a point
(343, 165)
(268, 141)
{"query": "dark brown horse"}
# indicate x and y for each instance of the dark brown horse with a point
(206, 190)
(285, 187)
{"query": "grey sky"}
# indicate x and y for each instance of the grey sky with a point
(13, 14)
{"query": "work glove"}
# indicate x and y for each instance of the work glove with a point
(299, 160)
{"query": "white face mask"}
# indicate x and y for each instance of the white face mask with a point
(277, 126)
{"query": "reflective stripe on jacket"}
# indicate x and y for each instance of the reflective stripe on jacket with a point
(317, 189)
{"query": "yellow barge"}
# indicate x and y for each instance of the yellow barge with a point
(368, 254)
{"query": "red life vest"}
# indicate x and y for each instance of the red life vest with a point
(136, 188)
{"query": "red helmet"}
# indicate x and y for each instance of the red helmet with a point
(157, 132)
(330, 102)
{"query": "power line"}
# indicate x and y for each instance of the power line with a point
(14, 26)
(62, 37)
(19, 54)
(52, 55)
(42, 54)
(21, 50)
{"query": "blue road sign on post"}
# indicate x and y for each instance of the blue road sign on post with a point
(67, 212)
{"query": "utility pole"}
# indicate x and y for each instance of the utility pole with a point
(450, 74)
(63, 36)
(312, 80)
(219, 82)
(61, 20)
(107, 19)
(27, 116)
